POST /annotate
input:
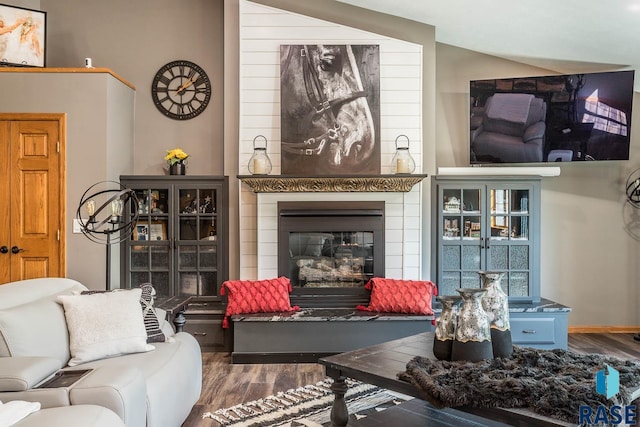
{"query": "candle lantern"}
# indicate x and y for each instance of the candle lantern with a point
(259, 163)
(402, 162)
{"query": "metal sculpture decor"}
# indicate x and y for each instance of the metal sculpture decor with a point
(632, 191)
(632, 188)
(105, 203)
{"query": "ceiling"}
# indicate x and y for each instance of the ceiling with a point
(565, 36)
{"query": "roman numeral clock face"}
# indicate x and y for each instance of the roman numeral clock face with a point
(181, 90)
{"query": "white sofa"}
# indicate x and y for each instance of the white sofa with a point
(157, 388)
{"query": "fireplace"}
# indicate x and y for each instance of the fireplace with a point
(330, 250)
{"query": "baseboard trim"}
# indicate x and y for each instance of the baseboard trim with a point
(604, 329)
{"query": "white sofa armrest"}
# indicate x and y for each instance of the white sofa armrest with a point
(165, 326)
(48, 397)
(23, 373)
(119, 388)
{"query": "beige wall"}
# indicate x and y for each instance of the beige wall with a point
(588, 259)
(134, 39)
(99, 145)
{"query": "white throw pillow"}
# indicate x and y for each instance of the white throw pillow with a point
(103, 325)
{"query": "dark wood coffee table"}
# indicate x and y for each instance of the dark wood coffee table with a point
(380, 365)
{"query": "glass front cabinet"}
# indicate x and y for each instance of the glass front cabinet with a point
(179, 242)
(487, 224)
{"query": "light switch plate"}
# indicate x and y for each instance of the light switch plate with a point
(77, 228)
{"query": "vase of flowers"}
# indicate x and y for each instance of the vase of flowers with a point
(176, 159)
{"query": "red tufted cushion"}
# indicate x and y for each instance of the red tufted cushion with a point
(256, 296)
(400, 296)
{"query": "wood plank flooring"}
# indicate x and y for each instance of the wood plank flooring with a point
(225, 384)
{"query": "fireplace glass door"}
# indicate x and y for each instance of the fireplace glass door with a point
(326, 247)
(334, 259)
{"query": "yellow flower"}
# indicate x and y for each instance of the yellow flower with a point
(176, 155)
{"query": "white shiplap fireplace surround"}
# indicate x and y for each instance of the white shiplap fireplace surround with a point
(262, 30)
(402, 225)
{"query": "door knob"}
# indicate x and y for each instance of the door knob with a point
(15, 250)
(4, 249)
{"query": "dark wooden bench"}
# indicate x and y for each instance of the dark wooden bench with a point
(307, 335)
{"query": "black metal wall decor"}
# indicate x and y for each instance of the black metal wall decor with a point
(105, 203)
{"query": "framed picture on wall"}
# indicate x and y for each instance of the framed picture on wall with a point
(22, 37)
(330, 109)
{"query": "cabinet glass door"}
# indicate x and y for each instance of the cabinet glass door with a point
(487, 226)
(461, 231)
(197, 250)
(509, 247)
(149, 249)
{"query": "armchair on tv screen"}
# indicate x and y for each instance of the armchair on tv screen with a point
(563, 118)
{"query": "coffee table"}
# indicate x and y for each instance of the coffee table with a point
(380, 364)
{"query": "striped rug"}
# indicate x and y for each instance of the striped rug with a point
(308, 406)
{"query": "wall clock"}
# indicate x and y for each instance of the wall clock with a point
(181, 90)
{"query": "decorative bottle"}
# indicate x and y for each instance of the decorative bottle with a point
(445, 326)
(473, 332)
(496, 304)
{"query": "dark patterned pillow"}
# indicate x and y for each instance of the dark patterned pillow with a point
(151, 323)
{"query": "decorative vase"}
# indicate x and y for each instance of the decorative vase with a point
(472, 340)
(445, 327)
(178, 168)
(496, 304)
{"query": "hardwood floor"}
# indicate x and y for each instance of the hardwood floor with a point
(225, 384)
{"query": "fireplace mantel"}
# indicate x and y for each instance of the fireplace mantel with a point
(301, 184)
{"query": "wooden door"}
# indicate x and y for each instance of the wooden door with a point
(5, 205)
(36, 209)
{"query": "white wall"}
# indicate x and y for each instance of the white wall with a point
(262, 30)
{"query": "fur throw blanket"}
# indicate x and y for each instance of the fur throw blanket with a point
(553, 383)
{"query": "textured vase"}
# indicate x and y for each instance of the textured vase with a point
(178, 168)
(473, 329)
(445, 326)
(496, 303)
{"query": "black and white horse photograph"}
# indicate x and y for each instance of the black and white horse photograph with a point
(330, 109)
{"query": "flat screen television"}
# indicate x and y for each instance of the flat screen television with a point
(561, 118)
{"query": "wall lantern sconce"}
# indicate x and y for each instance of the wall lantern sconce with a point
(402, 162)
(259, 163)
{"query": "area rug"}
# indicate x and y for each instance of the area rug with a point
(553, 383)
(308, 406)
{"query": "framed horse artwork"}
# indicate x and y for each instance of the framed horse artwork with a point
(330, 109)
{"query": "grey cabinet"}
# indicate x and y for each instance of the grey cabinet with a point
(487, 223)
(179, 243)
(541, 329)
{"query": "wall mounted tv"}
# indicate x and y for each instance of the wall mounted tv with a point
(562, 118)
